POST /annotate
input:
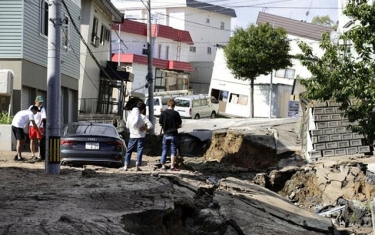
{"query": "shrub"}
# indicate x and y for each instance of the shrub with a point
(4, 118)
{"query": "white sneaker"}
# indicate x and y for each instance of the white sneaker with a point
(125, 168)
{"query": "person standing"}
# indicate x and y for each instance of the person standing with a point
(138, 124)
(39, 119)
(20, 120)
(170, 121)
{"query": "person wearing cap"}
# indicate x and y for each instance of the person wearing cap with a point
(20, 120)
(34, 135)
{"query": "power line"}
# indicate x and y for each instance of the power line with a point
(79, 61)
(121, 41)
(233, 6)
(72, 48)
(87, 47)
(208, 26)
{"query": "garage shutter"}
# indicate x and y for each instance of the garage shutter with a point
(70, 105)
(25, 99)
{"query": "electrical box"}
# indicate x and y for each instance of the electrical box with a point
(6, 82)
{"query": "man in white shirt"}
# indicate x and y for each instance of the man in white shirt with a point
(39, 120)
(20, 120)
(137, 123)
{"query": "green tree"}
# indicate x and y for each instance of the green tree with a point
(324, 21)
(344, 76)
(257, 50)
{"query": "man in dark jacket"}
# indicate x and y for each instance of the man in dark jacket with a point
(170, 121)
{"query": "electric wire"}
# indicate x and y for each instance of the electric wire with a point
(88, 48)
(79, 61)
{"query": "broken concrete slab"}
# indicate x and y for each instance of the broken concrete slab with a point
(261, 201)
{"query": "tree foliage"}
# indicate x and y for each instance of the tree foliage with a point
(257, 50)
(324, 21)
(346, 71)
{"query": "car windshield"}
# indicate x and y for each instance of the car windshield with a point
(90, 129)
(156, 102)
(182, 103)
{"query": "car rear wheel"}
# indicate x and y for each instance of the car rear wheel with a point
(196, 116)
(213, 114)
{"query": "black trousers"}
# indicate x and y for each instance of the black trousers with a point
(42, 148)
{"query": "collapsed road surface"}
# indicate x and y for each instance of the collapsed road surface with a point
(107, 201)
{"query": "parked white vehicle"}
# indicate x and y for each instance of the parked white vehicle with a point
(197, 106)
(161, 100)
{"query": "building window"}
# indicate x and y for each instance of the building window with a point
(285, 73)
(193, 49)
(208, 50)
(207, 21)
(43, 17)
(238, 99)
(94, 32)
(222, 25)
(289, 73)
(223, 96)
(167, 52)
(102, 35)
(108, 36)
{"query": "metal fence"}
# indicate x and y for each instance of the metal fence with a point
(88, 105)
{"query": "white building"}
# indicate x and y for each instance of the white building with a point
(233, 94)
(207, 24)
(96, 21)
(168, 45)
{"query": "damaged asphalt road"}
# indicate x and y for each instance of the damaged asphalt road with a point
(208, 196)
(104, 201)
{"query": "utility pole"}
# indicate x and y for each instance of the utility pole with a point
(53, 89)
(149, 77)
(271, 78)
(120, 95)
(270, 95)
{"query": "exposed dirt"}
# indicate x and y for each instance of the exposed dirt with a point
(242, 150)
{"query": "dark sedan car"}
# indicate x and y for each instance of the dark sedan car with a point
(87, 143)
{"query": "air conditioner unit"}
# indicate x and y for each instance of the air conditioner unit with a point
(97, 41)
(6, 82)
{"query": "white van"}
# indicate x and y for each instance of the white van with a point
(197, 106)
(160, 104)
(161, 100)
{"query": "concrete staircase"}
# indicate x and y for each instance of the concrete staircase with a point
(325, 133)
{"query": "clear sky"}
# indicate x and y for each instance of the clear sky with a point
(247, 10)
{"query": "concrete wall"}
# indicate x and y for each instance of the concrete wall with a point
(7, 140)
